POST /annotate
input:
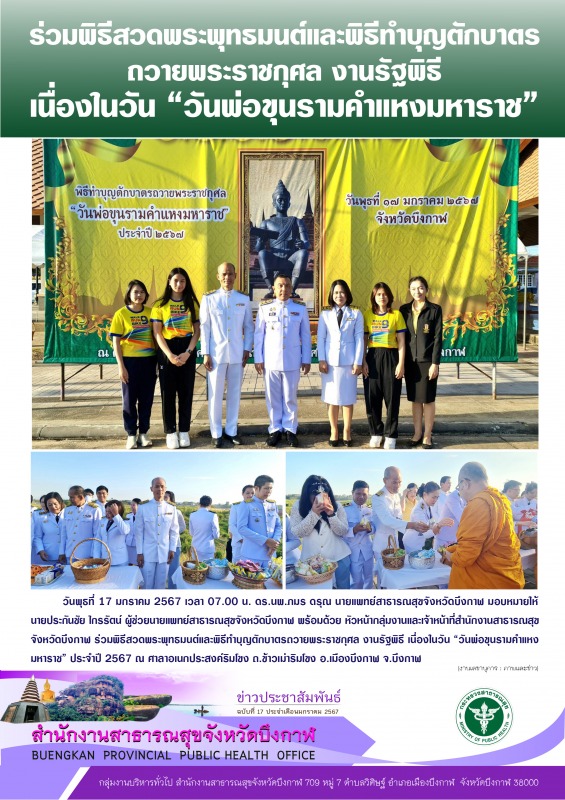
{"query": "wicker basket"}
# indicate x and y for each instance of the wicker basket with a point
(242, 582)
(321, 577)
(390, 561)
(97, 567)
(247, 583)
(196, 575)
(216, 572)
(422, 563)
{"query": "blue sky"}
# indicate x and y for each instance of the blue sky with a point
(189, 474)
(342, 468)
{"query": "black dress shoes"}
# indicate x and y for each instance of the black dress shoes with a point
(292, 439)
(333, 442)
(217, 443)
(415, 442)
(348, 442)
(274, 438)
(233, 439)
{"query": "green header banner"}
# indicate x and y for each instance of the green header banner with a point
(364, 210)
(255, 69)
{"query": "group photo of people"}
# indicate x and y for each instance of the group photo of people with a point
(364, 524)
(383, 345)
(162, 534)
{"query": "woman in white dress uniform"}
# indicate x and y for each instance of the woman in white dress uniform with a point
(340, 356)
(425, 511)
(46, 530)
(113, 531)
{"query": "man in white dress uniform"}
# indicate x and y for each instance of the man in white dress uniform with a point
(387, 513)
(204, 528)
(226, 341)
(156, 536)
(80, 522)
(258, 523)
(359, 536)
(282, 346)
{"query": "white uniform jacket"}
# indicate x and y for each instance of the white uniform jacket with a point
(130, 538)
(341, 345)
(387, 519)
(420, 513)
(226, 326)
(256, 522)
(80, 523)
(525, 510)
(441, 501)
(156, 530)
(116, 539)
(203, 526)
(360, 543)
(282, 336)
(47, 534)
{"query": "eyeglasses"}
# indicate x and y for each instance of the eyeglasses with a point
(458, 487)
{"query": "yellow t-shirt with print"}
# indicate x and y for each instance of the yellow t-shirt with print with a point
(382, 328)
(175, 318)
(133, 329)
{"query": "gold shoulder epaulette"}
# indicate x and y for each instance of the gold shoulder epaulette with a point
(43, 512)
(380, 494)
(237, 502)
(94, 505)
(143, 502)
(345, 505)
(298, 302)
(267, 302)
(212, 291)
(354, 308)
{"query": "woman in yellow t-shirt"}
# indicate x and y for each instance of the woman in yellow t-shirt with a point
(134, 349)
(176, 329)
(383, 366)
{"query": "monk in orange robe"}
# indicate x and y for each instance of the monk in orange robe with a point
(487, 553)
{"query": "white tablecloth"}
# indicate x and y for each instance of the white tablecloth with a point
(410, 578)
(300, 583)
(117, 578)
(225, 583)
(528, 559)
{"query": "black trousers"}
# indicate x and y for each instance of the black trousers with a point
(177, 381)
(138, 393)
(381, 386)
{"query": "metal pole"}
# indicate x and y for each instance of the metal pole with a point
(525, 300)
(62, 390)
(494, 380)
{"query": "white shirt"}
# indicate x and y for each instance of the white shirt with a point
(340, 345)
(204, 528)
(441, 501)
(226, 326)
(387, 519)
(79, 523)
(282, 335)
(115, 537)
(156, 530)
(360, 542)
(329, 541)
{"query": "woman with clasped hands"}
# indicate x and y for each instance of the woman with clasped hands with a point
(320, 521)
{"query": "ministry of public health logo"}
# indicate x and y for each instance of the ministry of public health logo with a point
(484, 716)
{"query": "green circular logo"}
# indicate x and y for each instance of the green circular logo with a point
(484, 716)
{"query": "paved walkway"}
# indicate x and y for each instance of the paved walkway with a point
(90, 416)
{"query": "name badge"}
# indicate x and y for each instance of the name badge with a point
(295, 313)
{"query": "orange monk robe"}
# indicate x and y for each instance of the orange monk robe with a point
(487, 553)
